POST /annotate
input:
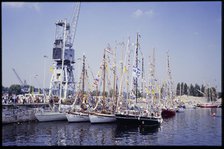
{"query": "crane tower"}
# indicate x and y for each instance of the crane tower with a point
(24, 86)
(62, 82)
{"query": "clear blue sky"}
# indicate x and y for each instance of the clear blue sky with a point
(191, 31)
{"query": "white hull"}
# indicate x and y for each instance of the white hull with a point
(77, 117)
(102, 118)
(50, 116)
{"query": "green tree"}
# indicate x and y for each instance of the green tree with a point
(182, 88)
(191, 90)
(219, 95)
(15, 89)
(5, 89)
(185, 89)
(31, 89)
(196, 90)
(213, 94)
(178, 89)
(208, 94)
(202, 90)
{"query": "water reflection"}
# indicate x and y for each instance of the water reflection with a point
(193, 127)
(59, 133)
(102, 134)
(136, 135)
(121, 130)
(77, 132)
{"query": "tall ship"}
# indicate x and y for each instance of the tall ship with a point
(168, 109)
(103, 115)
(135, 115)
(78, 112)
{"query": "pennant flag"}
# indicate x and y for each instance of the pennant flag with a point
(125, 69)
(136, 72)
(51, 69)
(153, 92)
(147, 91)
(107, 68)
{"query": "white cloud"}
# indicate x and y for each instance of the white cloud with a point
(14, 4)
(140, 13)
(30, 5)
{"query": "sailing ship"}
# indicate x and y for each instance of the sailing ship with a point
(53, 114)
(168, 110)
(135, 115)
(104, 115)
(211, 98)
(48, 116)
(79, 112)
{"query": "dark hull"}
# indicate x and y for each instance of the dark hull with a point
(136, 120)
(168, 113)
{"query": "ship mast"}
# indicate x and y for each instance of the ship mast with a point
(122, 76)
(128, 67)
(83, 76)
(170, 90)
(136, 65)
(142, 76)
(104, 77)
(114, 83)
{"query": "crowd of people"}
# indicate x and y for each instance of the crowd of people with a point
(22, 99)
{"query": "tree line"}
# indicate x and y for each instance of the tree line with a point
(181, 89)
(195, 90)
(18, 89)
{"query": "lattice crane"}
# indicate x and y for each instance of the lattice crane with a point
(20, 80)
(24, 86)
(72, 27)
(62, 80)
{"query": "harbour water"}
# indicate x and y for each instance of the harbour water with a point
(193, 127)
